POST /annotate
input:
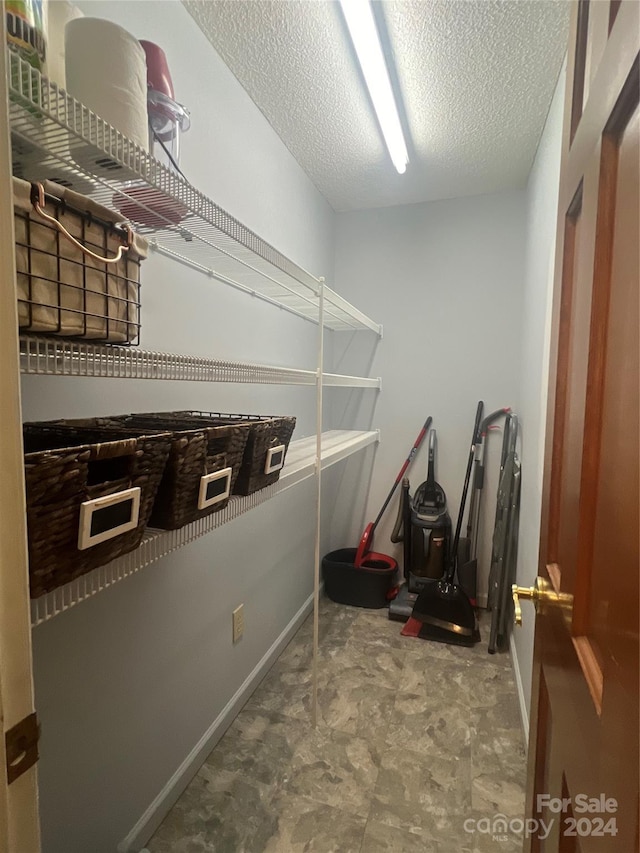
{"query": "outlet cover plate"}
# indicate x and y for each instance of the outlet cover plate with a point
(238, 622)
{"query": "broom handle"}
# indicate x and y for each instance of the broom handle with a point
(456, 538)
(407, 462)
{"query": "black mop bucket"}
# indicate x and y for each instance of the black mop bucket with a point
(365, 586)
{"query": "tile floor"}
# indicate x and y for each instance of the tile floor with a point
(413, 739)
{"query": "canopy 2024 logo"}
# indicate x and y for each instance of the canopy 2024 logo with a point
(552, 811)
(598, 824)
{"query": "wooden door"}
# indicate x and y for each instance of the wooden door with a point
(19, 826)
(583, 760)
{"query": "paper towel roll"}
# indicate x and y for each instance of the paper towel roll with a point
(60, 12)
(106, 70)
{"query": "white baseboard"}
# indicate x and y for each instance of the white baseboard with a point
(168, 796)
(523, 705)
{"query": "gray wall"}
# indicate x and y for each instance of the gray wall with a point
(446, 278)
(128, 682)
(542, 203)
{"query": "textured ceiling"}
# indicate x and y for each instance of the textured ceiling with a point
(475, 79)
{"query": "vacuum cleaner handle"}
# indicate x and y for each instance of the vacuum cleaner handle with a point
(465, 488)
(431, 470)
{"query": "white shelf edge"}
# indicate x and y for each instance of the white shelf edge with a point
(59, 357)
(307, 310)
(300, 465)
(337, 380)
(340, 302)
(341, 314)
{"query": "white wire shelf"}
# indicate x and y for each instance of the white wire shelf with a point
(300, 465)
(56, 137)
(59, 357)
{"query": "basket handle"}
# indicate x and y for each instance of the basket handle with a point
(111, 461)
(38, 201)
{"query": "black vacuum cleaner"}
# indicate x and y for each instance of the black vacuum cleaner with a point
(424, 526)
(442, 610)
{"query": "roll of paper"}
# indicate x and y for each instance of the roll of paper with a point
(106, 70)
(60, 12)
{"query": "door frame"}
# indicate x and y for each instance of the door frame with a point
(19, 820)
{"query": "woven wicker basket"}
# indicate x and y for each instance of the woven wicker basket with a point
(202, 469)
(266, 449)
(69, 281)
(82, 488)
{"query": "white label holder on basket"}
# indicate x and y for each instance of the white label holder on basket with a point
(214, 488)
(275, 459)
(107, 517)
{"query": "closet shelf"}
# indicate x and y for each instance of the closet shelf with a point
(59, 357)
(300, 465)
(56, 137)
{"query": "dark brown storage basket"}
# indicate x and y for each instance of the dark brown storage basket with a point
(198, 451)
(67, 290)
(267, 433)
(68, 469)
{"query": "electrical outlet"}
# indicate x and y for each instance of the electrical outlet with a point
(238, 622)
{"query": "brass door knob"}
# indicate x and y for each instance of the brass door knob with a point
(540, 591)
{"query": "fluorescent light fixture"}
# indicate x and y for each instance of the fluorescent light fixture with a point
(364, 35)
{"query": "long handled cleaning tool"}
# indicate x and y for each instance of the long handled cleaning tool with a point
(443, 608)
(366, 541)
(468, 571)
(499, 526)
(478, 478)
(505, 540)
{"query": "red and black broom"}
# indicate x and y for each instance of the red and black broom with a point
(366, 542)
